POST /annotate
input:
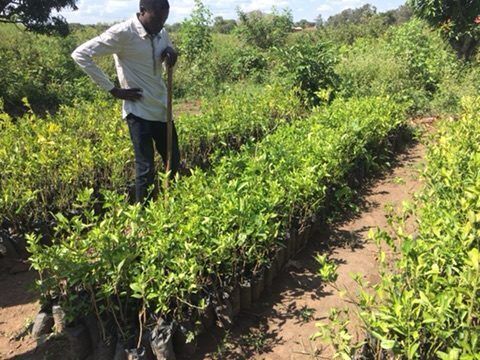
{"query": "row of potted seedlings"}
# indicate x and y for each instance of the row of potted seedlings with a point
(353, 127)
(166, 337)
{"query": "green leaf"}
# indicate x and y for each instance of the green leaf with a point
(474, 257)
(387, 344)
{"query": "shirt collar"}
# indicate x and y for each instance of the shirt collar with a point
(139, 27)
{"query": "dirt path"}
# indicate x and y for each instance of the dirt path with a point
(280, 327)
(18, 307)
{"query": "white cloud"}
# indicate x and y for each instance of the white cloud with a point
(114, 6)
(331, 7)
(181, 8)
(325, 8)
(264, 5)
(108, 11)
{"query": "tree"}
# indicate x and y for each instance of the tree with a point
(222, 26)
(402, 14)
(456, 19)
(265, 30)
(36, 15)
(305, 24)
(352, 16)
(310, 65)
(196, 33)
(319, 21)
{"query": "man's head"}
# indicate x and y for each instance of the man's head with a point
(153, 14)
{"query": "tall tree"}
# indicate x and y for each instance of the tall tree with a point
(36, 15)
(352, 16)
(456, 18)
(319, 21)
(265, 30)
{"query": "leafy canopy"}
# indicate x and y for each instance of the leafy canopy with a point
(37, 15)
(458, 19)
(264, 30)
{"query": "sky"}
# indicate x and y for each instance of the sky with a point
(109, 11)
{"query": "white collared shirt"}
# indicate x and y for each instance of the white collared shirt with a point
(137, 60)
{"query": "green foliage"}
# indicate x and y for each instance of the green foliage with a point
(309, 64)
(352, 24)
(248, 62)
(195, 75)
(454, 86)
(398, 16)
(42, 71)
(195, 37)
(425, 54)
(456, 19)
(429, 307)
(335, 332)
(222, 26)
(229, 61)
(239, 115)
(369, 67)
(305, 24)
(46, 161)
(232, 60)
(264, 30)
(410, 62)
(352, 16)
(37, 15)
(327, 270)
(226, 223)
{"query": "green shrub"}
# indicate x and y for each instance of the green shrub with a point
(42, 71)
(234, 61)
(309, 64)
(424, 52)
(370, 68)
(229, 61)
(363, 22)
(429, 307)
(195, 34)
(46, 161)
(264, 30)
(409, 63)
(463, 82)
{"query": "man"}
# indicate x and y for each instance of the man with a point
(139, 45)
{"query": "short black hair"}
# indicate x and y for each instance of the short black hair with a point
(150, 4)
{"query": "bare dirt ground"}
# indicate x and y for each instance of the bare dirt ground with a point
(281, 325)
(18, 307)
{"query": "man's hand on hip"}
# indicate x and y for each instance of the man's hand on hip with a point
(170, 56)
(132, 94)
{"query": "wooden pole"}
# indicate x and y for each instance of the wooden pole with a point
(169, 122)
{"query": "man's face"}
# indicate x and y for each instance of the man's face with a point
(154, 19)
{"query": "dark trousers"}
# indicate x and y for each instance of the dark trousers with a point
(144, 134)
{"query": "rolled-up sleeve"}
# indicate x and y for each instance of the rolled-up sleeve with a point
(108, 43)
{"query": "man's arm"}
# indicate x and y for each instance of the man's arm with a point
(108, 43)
